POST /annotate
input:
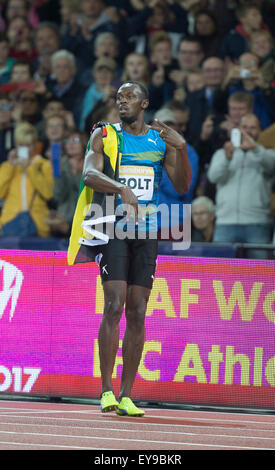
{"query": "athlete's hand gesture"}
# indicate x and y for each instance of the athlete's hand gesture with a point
(169, 135)
(130, 201)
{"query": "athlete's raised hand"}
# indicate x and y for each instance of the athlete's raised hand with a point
(169, 135)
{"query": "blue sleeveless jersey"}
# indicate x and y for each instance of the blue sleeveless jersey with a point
(141, 169)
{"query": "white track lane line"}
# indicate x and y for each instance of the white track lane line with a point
(143, 431)
(27, 410)
(147, 411)
(31, 444)
(92, 407)
(177, 418)
(179, 444)
(121, 421)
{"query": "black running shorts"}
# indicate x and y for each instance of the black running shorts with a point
(133, 261)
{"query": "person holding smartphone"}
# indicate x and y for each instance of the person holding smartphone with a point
(26, 181)
(242, 171)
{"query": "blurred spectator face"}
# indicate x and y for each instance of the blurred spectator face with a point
(261, 45)
(252, 19)
(136, 67)
(55, 129)
(202, 217)
(5, 112)
(20, 73)
(237, 110)
(182, 118)
(103, 76)
(16, 8)
(162, 53)
(205, 26)
(157, 19)
(189, 55)
(29, 103)
(91, 8)
(213, 71)
(251, 125)
(63, 70)
(65, 13)
(74, 145)
(53, 108)
(69, 9)
(249, 61)
(195, 81)
(18, 30)
(107, 48)
(4, 51)
(46, 41)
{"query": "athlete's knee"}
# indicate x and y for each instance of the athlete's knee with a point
(113, 309)
(135, 317)
(114, 299)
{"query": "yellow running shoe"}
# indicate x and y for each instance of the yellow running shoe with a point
(127, 407)
(108, 402)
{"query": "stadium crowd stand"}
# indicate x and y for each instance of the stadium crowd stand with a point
(209, 66)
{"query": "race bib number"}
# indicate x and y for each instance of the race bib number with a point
(140, 179)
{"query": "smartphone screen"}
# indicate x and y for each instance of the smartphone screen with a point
(236, 137)
(23, 152)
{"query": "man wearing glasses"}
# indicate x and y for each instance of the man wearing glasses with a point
(190, 56)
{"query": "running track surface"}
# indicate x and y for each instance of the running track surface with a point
(61, 426)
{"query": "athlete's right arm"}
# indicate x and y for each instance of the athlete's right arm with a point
(94, 177)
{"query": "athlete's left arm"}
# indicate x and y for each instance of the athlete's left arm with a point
(176, 162)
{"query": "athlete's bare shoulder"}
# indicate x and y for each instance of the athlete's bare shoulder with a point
(96, 142)
(94, 157)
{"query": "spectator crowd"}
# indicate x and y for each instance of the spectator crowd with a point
(209, 66)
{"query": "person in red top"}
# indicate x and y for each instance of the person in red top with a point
(236, 42)
(20, 42)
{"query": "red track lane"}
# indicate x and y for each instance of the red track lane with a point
(61, 426)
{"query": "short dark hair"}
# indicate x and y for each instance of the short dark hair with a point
(176, 105)
(191, 39)
(243, 9)
(242, 97)
(47, 25)
(140, 85)
(54, 99)
(58, 116)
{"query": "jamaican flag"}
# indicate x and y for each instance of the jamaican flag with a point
(78, 252)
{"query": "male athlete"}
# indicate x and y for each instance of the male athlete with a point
(128, 265)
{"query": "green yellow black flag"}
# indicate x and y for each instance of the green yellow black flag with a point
(112, 142)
